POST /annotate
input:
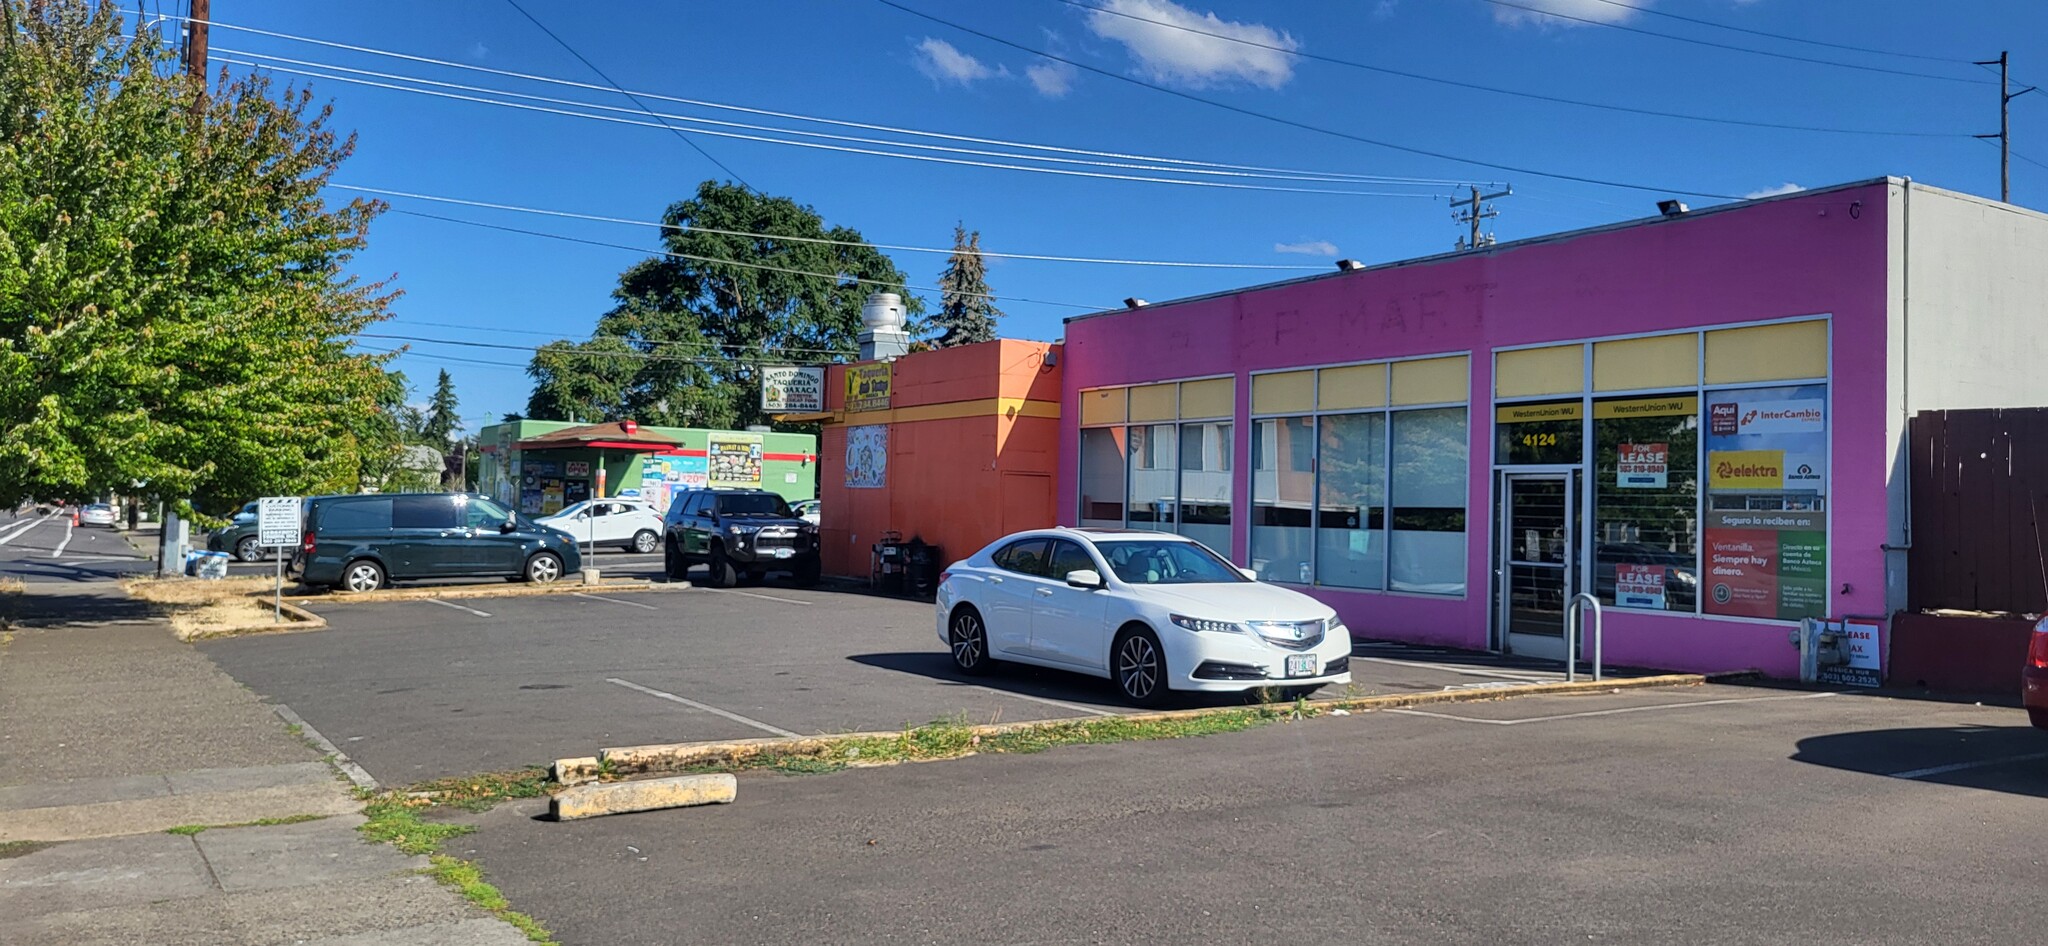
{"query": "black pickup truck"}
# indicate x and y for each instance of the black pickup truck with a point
(738, 532)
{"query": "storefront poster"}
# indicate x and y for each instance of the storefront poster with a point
(786, 389)
(735, 461)
(1859, 642)
(1765, 534)
(577, 468)
(1639, 586)
(867, 387)
(662, 476)
(1642, 465)
(867, 457)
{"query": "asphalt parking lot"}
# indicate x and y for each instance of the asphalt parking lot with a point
(1716, 814)
(417, 689)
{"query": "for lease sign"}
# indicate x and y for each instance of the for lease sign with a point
(1639, 586)
(1641, 465)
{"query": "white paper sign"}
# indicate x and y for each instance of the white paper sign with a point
(277, 521)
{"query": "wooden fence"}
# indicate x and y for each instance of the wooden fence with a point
(1979, 488)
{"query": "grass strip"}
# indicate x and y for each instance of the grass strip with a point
(20, 848)
(187, 830)
(396, 818)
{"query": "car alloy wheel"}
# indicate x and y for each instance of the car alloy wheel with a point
(1140, 669)
(247, 550)
(643, 542)
(362, 577)
(543, 568)
(970, 642)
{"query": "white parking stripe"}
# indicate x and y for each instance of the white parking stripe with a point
(630, 604)
(1606, 712)
(1076, 707)
(693, 704)
(32, 523)
(59, 550)
(1960, 766)
(451, 604)
(1533, 676)
(750, 594)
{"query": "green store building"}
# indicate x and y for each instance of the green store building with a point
(540, 466)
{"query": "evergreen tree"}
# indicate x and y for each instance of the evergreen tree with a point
(442, 421)
(967, 314)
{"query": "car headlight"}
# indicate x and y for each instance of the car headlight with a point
(1334, 625)
(1204, 624)
(735, 530)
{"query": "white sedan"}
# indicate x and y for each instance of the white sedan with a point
(1150, 611)
(630, 524)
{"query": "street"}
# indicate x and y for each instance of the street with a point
(49, 548)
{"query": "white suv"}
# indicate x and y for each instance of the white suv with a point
(1152, 612)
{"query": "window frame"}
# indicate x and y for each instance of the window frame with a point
(1171, 459)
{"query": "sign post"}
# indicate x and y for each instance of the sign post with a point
(277, 527)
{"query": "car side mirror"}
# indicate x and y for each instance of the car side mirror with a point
(1251, 573)
(1087, 578)
(507, 527)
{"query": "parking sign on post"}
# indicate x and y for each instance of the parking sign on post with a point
(277, 526)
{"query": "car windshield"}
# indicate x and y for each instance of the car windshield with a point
(753, 504)
(570, 510)
(1165, 562)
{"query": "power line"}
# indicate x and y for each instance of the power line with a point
(1292, 123)
(1281, 176)
(795, 116)
(801, 239)
(402, 321)
(622, 91)
(838, 277)
(1067, 172)
(1511, 4)
(580, 352)
(1518, 93)
(1785, 37)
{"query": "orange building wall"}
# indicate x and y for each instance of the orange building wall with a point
(960, 481)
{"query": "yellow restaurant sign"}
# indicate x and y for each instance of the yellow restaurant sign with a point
(1746, 469)
(867, 387)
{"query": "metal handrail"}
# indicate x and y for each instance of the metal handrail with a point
(1574, 612)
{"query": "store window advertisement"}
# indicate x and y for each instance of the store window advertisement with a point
(1766, 528)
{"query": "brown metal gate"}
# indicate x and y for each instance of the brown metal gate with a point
(1979, 489)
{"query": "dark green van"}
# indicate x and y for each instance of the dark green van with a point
(361, 543)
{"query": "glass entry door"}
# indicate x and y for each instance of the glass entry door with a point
(1539, 561)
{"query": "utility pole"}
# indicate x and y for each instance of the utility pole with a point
(196, 25)
(1477, 216)
(2004, 136)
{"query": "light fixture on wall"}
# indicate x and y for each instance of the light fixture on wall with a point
(1135, 303)
(1348, 265)
(1672, 208)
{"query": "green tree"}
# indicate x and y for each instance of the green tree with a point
(174, 307)
(688, 328)
(967, 313)
(442, 422)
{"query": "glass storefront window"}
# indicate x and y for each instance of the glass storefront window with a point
(1102, 478)
(1154, 468)
(1426, 546)
(1646, 502)
(1283, 482)
(1205, 483)
(1538, 434)
(1765, 535)
(1351, 542)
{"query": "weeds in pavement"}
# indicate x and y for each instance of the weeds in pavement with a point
(396, 818)
(20, 848)
(466, 878)
(187, 830)
(479, 792)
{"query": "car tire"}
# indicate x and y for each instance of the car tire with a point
(673, 564)
(361, 576)
(723, 575)
(543, 568)
(644, 542)
(1137, 665)
(807, 573)
(247, 550)
(967, 635)
(2038, 715)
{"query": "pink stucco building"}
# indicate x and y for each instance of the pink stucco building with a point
(1698, 418)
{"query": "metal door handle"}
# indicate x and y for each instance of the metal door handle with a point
(1044, 592)
(995, 580)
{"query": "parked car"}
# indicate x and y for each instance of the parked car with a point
(808, 510)
(2034, 676)
(360, 543)
(1152, 612)
(738, 532)
(240, 539)
(96, 514)
(630, 524)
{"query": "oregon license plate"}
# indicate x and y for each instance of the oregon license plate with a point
(784, 553)
(1301, 665)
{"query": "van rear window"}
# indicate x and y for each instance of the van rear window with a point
(422, 512)
(356, 515)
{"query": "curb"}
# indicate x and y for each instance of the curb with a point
(337, 758)
(617, 798)
(301, 621)
(654, 759)
(498, 591)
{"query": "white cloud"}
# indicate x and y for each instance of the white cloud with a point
(1537, 12)
(479, 51)
(1189, 58)
(1051, 79)
(939, 61)
(1786, 188)
(1307, 248)
(1384, 9)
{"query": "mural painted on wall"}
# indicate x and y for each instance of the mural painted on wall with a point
(735, 460)
(1766, 529)
(867, 457)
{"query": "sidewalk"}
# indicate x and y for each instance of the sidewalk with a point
(112, 732)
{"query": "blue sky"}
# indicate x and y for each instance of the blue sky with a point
(861, 60)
